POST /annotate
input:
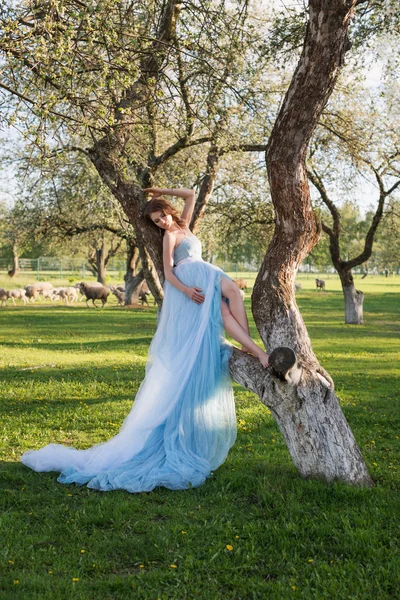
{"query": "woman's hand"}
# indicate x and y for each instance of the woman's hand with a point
(155, 191)
(195, 294)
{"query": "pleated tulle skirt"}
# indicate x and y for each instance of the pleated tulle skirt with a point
(182, 423)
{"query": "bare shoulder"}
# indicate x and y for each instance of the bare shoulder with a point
(169, 238)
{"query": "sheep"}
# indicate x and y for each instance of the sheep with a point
(3, 296)
(43, 285)
(31, 292)
(320, 283)
(68, 293)
(51, 294)
(120, 296)
(94, 292)
(297, 286)
(17, 293)
(241, 283)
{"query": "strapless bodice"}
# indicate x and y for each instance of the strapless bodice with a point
(189, 247)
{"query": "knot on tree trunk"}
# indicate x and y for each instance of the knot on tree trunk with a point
(284, 365)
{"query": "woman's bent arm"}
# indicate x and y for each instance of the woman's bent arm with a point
(168, 250)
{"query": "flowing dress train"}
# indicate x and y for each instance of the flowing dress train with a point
(182, 422)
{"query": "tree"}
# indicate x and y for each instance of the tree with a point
(304, 403)
(141, 83)
(353, 298)
(357, 138)
(298, 391)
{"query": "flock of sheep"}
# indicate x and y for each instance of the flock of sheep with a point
(93, 291)
(90, 291)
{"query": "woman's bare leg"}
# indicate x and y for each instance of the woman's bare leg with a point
(235, 330)
(236, 306)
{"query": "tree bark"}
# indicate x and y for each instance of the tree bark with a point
(131, 277)
(302, 400)
(132, 288)
(100, 264)
(353, 299)
(15, 261)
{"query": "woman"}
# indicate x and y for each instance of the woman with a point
(182, 423)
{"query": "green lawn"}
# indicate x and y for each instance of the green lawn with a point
(254, 530)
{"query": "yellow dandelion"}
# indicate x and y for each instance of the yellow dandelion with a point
(294, 588)
(50, 572)
(10, 562)
(183, 532)
(310, 560)
(141, 566)
(16, 581)
(236, 537)
(229, 547)
(75, 579)
(173, 566)
(83, 551)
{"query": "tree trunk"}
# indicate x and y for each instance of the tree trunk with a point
(299, 392)
(101, 264)
(15, 261)
(105, 157)
(353, 299)
(132, 287)
(132, 255)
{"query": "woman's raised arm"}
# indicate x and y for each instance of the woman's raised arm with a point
(187, 194)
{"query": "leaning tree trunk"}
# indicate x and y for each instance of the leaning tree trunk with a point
(298, 391)
(353, 299)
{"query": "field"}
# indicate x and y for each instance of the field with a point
(254, 530)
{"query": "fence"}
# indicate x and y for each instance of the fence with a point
(60, 268)
(47, 267)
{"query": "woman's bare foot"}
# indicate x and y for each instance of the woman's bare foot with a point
(263, 357)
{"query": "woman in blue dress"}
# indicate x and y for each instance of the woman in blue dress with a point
(182, 422)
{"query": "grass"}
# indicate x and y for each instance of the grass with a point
(254, 529)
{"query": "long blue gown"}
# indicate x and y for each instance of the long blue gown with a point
(182, 422)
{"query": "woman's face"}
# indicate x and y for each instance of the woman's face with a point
(161, 219)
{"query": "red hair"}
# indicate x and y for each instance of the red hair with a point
(159, 204)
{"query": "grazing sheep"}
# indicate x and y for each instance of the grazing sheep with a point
(17, 293)
(94, 292)
(320, 283)
(3, 296)
(120, 296)
(297, 286)
(241, 283)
